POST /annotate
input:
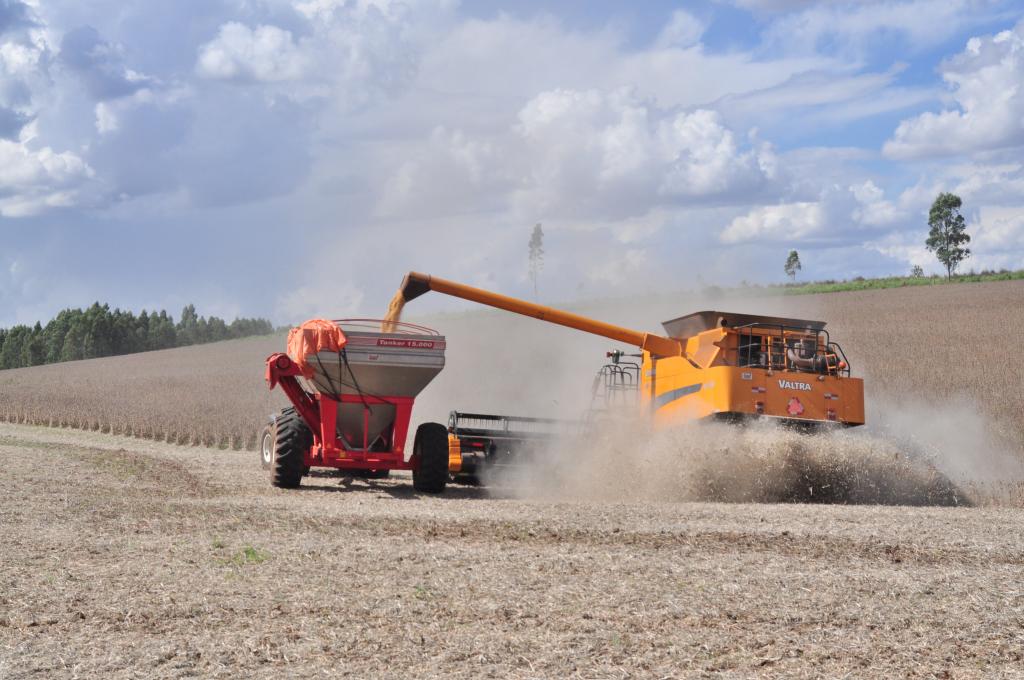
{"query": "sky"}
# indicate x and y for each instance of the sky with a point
(294, 158)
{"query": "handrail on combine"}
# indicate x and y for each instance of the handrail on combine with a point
(776, 343)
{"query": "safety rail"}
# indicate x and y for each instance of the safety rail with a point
(616, 384)
(507, 427)
(771, 349)
(374, 326)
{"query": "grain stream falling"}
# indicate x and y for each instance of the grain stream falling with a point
(394, 313)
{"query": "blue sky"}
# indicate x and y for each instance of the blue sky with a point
(293, 158)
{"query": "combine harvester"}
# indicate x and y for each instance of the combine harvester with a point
(354, 407)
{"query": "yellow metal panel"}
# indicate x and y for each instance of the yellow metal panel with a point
(454, 454)
(676, 392)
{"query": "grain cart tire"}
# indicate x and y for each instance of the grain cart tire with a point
(291, 442)
(266, 447)
(431, 449)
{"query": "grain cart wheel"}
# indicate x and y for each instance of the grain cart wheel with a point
(431, 449)
(291, 442)
(266, 446)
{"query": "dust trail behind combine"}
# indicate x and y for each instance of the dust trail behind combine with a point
(757, 463)
(911, 452)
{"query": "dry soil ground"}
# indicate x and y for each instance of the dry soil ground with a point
(131, 558)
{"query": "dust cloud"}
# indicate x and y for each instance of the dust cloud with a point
(759, 462)
(909, 454)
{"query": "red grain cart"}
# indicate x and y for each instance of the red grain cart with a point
(352, 389)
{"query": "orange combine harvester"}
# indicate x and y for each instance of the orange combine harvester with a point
(709, 363)
(352, 384)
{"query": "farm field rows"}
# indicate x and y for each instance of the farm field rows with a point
(131, 558)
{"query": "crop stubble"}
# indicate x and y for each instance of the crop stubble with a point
(128, 558)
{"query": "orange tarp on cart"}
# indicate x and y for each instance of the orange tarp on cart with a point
(312, 337)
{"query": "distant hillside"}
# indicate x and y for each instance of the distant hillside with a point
(860, 283)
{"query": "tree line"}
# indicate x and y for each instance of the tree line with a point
(99, 332)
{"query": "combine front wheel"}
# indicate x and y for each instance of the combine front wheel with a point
(291, 441)
(431, 449)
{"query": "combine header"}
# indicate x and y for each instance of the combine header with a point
(352, 387)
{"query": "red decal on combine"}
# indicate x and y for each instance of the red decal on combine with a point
(795, 408)
(394, 342)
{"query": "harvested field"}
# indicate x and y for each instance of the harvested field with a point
(127, 558)
(131, 557)
(211, 395)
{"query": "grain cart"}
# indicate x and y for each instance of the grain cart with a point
(709, 364)
(352, 389)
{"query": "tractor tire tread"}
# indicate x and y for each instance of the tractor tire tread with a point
(291, 443)
(431, 449)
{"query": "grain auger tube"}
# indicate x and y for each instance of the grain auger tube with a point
(416, 284)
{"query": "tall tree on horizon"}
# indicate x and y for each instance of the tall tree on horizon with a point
(947, 232)
(792, 265)
(536, 255)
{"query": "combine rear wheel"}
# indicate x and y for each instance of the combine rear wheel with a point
(292, 440)
(431, 450)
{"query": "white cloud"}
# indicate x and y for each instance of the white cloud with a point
(855, 28)
(682, 30)
(450, 172)
(906, 247)
(997, 237)
(791, 222)
(265, 53)
(339, 300)
(578, 154)
(873, 210)
(106, 118)
(842, 214)
(33, 180)
(99, 65)
(986, 84)
(615, 154)
(628, 265)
